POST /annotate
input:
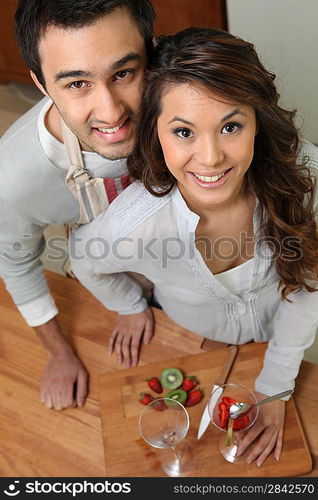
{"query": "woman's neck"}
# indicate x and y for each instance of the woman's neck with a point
(242, 197)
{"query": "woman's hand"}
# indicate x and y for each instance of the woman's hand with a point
(267, 432)
(127, 335)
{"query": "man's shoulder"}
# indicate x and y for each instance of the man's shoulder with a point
(27, 122)
(308, 154)
(133, 207)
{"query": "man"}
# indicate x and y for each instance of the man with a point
(88, 58)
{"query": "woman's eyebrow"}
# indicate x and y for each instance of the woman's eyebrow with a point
(178, 119)
(236, 111)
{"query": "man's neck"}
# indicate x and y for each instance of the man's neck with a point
(53, 123)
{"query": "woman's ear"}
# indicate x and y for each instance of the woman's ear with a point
(38, 84)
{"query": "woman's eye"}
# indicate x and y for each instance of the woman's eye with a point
(230, 128)
(184, 133)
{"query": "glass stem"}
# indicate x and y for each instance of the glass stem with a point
(175, 450)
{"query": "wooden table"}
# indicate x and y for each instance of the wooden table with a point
(39, 442)
(127, 454)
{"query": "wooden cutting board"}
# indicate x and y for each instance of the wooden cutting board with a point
(126, 454)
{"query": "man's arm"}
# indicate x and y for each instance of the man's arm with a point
(64, 381)
(21, 245)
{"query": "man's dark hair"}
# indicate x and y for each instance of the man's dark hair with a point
(34, 16)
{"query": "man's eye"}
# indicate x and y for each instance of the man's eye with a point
(80, 84)
(231, 128)
(183, 132)
(120, 75)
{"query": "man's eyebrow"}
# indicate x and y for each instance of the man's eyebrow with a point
(236, 111)
(72, 74)
(132, 56)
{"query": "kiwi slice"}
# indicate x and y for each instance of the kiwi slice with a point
(178, 395)
(171, 378)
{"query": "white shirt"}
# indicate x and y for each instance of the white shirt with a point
(156, 237)
(238, 279)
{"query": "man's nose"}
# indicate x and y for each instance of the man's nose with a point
(108, 106)
(210, 152)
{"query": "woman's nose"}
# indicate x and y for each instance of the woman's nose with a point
(210, 152)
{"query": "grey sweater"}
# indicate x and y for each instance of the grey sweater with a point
(33, 194)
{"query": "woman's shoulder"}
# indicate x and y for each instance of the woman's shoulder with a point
(133, 207)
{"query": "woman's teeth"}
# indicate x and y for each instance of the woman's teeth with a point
(206, 178)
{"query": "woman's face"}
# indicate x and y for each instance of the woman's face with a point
(208, 145)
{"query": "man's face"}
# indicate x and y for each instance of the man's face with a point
(94, 76)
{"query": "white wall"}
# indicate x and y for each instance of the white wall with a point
(285, 35)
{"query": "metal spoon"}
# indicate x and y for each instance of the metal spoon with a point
(238, 409)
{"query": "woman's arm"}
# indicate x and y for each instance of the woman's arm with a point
(295, 326)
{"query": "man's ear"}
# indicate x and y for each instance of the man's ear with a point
(38, 84)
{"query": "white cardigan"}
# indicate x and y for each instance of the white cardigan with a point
(156, 237)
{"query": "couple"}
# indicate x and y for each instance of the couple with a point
(217, 159)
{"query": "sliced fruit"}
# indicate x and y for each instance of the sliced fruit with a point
(145, 398)
(159, 405)
(189, 383)
(240, 423)
(178, 395)
(228, 401)
(194, 397)
(154, 384)
(171, 378)
(223, 414)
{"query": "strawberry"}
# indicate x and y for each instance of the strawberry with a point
(159, 405)
(145, 398)
(189, 383)
(154, 384)
(194, 397)
(240, 423)
(228, 401)
(223, 414)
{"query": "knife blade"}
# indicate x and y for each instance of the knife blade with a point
(205, 419)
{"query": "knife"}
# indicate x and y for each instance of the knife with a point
(205, 419)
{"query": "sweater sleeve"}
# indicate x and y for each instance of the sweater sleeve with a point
(295, 326)
(21, 245)
(97, 265)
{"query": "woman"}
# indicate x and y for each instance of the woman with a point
(223, 221)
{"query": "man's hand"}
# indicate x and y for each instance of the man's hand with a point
(269, 429)
(65, 380)
(127, 335)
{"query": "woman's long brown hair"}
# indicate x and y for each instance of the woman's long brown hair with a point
(229, 67)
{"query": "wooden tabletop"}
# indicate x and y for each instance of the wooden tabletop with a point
(127, 454)
(39, 442)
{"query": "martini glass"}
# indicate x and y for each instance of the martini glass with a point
(229, 442)
(163, 424)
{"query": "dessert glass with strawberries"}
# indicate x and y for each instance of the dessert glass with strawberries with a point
(233, 429)
(163, 424)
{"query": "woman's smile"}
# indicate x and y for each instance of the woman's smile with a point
(208, 145)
